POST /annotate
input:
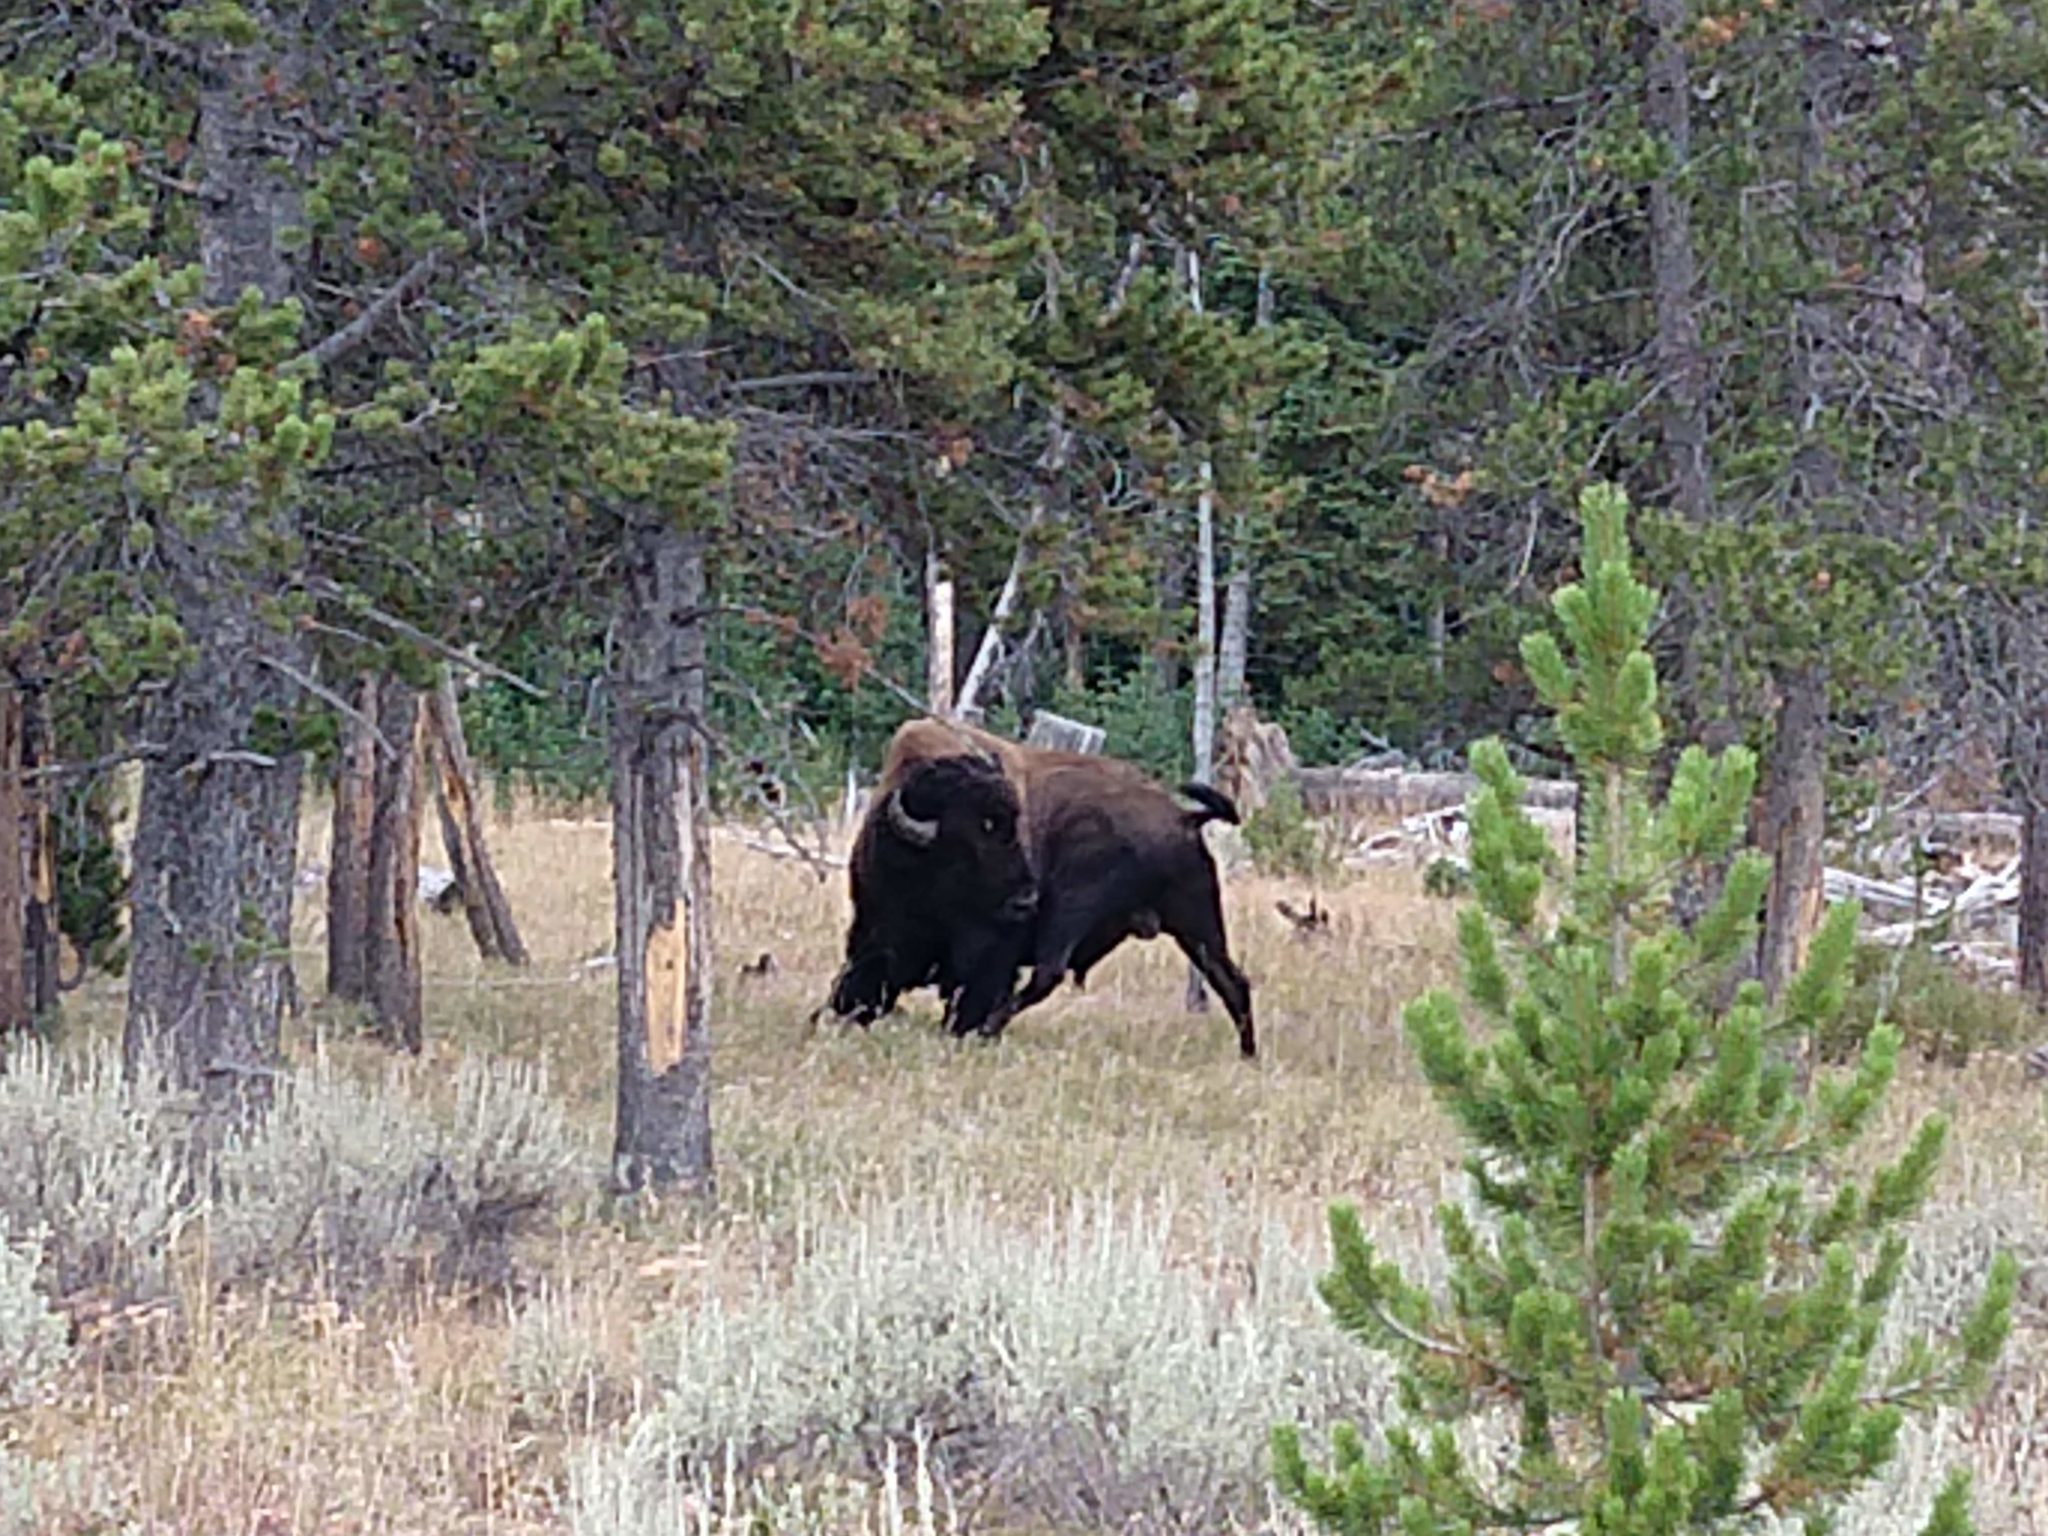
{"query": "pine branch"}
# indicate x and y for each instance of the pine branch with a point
(358, 330)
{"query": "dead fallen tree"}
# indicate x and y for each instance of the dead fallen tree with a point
(1358, 793)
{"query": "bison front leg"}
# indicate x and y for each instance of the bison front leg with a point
(862, 991)
(984, 969)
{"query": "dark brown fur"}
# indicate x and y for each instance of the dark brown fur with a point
(1114, 855)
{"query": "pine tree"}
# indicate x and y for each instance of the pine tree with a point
(1680, 1297)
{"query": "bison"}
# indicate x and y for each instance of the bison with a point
(940, 884)
(1114, 856)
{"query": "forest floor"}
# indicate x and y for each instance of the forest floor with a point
(444, 1408)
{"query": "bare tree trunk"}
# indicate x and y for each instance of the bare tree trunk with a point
(1681, 365)
(1205, 620)
(458, 801)
(1795, 811)
(2034, 901)
(39, 750)
(16, 1008)
(1233, 649)
(661, 850)
(392, 954)
(1437, 627)
(348, 858)
(1051, 471)
(1234, 645)
(985, 653)
(938, 609)
(1795, 793)
(217, 830)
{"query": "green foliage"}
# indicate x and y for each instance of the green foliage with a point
(1143, 722)
(1284, 839)
(1672, 1287)
(91, 885)
(1941, 1015)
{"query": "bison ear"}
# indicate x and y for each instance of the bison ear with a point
(920, 833)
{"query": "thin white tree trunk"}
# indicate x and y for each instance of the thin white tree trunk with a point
(938, 607)
(1233, 647)
(1205, 627)
(1050, 470)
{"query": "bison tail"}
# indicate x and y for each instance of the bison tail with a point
(1215, 804)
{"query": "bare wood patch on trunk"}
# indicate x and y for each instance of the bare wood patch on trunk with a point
(668, 974)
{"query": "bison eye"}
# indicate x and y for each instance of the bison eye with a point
(988, 823)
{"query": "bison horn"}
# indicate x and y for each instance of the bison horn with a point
(907, 826)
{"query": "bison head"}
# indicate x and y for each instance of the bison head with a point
(963, 813)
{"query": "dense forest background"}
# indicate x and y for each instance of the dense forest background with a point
(346, 341)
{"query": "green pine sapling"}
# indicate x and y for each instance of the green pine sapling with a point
(1680, 1302)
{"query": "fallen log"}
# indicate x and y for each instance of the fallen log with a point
(1395, 792)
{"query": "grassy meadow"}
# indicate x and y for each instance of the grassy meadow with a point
(1057, 1284)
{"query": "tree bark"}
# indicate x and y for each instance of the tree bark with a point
(1795, 811)
(217, 830)
(1681, 364)
(2034, 900)
(938, 609)
(1233, 649)
(41, 923)
(391, 957)
(348, 860)
(662, 868)
(16, 1007)
(459, 803)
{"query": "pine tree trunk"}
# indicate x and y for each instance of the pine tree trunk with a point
(1795, 811)
(662, 868)
(391, 956)
(348, 860)
(16, 1006)
(458, 801)
(39, 750)
(2034, 901)
(217, 830)
(1681, 365)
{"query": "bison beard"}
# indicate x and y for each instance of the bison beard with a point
(1116, 857)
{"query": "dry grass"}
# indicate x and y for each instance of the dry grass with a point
(292, 1410)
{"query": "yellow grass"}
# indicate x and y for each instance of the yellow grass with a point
(290, 1414)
